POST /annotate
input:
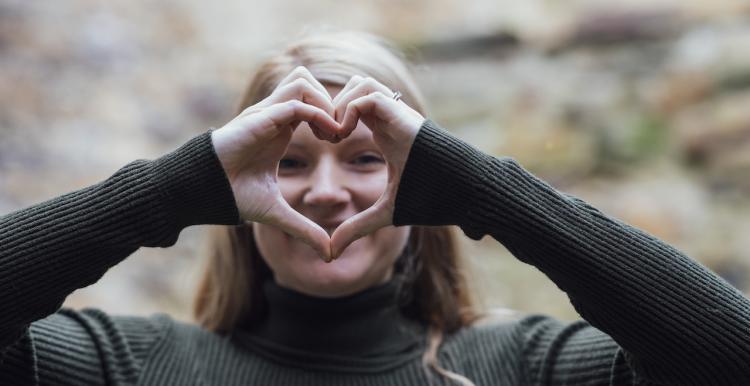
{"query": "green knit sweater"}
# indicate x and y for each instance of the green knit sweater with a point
(651, 314)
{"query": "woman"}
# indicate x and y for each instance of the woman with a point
(365, 179)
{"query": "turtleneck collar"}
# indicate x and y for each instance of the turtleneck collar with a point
(364, 331)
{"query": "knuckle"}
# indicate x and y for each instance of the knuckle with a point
(370, 81)
(299, 83)
(354, 80)
(294, 103)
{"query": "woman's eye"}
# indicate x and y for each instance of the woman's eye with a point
(286, 163)
(367, 159)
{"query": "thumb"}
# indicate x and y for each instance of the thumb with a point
(302, 228)
(359, 225)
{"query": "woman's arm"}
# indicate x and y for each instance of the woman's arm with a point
(676, 321)
(50, 249)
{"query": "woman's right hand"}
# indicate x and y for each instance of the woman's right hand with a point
(251, 145)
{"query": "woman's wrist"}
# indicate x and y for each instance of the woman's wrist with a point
(193, 185)
(440, 178)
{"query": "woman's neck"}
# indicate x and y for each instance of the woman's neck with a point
(367, 324)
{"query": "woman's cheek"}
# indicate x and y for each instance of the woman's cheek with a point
(290, 189)
(370, 188)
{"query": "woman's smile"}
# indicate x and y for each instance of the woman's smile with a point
(329, 183)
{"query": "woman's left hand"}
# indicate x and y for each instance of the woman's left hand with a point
(394, 127)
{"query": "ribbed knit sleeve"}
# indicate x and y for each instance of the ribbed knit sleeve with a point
(654, 311)
(50, 249)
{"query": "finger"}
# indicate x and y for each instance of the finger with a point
(353, 81)
(301, 89)
(375, 103)
(304, 73)
(364, 87)
(360, 225)
(293, 110)
(319, 134)
(302, 228)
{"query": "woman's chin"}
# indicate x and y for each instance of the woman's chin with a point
(350, 273)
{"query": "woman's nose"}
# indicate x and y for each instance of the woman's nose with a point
(326, 186)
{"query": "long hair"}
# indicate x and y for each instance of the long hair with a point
(435, 289)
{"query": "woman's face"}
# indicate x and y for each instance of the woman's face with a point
(329, 183)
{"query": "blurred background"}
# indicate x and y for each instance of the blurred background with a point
(641, 108)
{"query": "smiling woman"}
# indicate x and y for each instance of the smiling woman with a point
(333, 264)
(329, 183)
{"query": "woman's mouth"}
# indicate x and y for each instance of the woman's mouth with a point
(330, 227)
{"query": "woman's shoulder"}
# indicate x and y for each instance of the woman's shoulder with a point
(508, 336)
(155, 332)
(96, 329)
(503, 329)
(95, 344)
(100, 322)
(128, 348)
(494, 325)
(499, 320)
(131, 339)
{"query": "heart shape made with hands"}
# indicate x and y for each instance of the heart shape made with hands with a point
(394, 126)
(252, 144)
(380, 213)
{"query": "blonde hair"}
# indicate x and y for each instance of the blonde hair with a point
(436, 291)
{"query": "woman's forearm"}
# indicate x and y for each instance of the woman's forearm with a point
(50, 249)
(679, 322)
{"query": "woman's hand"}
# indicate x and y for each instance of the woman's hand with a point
(394, 127)
(251, 145)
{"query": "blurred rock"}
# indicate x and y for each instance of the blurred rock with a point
(715, 135)
(462, 47)
(621, 25)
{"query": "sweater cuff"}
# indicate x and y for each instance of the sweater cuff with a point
(441, 178)
(193, 185)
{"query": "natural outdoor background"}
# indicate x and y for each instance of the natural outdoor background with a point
(641, 108)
